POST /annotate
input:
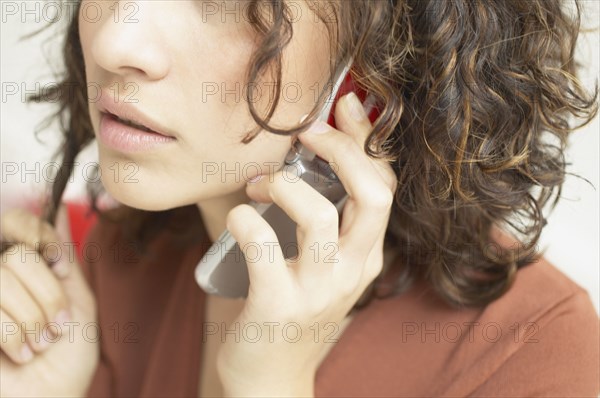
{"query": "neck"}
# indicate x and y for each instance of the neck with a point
(214, 211)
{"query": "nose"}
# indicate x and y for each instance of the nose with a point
(127, 40)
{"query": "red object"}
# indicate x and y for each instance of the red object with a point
(81, 220)
(348, 85)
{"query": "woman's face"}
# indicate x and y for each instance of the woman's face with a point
(181, 65)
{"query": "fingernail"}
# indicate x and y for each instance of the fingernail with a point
(318, 127)
(26, 353)
(356, 109)
(62, 317)
(255, 179)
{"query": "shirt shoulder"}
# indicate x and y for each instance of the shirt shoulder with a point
(552, 344)
(540, 337)
(560, 357)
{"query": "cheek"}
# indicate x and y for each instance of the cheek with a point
(87, 27)
(180, 179)
(210, 161)
(214, 77)
(208, 84)
(305, 67)
(87, 31)
(226, 170)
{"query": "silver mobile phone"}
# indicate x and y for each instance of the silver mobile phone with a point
(222, 270)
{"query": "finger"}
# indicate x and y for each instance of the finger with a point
(359, 127)
(41, 284)
(267, 268)
(370, 199)
(21, 307)
(12, 342)
(351, 118)
(21, 226)
(317, 219)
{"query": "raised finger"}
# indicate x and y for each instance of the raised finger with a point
(369, 196)
(351, 118)
(316, 218)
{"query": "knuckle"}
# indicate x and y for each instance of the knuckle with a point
(381, 200)
(392, 181)
(348, 286)
(388, 175)
(372, 271)
(348, 280)
(324, 216)
(318, 306)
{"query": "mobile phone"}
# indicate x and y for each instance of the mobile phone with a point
(222, 270)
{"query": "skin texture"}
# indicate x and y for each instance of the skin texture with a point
(209, 132)
(154, 60)
(31, 296)
(159, 67)
(312, 290)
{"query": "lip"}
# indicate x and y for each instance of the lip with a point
(122, 137)
(128, 139)
(120, 108)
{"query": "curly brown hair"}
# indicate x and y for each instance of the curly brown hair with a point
(478, 103)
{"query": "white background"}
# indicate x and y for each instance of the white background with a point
(571, 236)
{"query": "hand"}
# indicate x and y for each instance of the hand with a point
(307, 296)
(34, 360)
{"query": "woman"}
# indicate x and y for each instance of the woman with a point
(428, 294)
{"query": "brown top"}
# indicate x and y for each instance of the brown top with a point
(540, 338)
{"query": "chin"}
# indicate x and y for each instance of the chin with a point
(132, 185)
(149, 196)
(158, 195)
